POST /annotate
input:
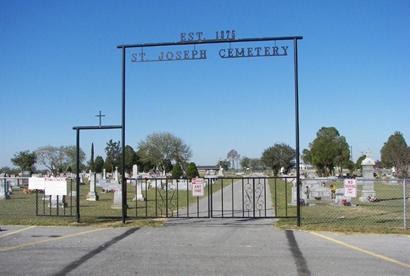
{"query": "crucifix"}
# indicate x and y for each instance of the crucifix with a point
(99, 115)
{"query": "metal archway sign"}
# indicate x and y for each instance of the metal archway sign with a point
(198, 38)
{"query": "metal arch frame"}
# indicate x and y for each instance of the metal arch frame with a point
(123, 48)
(78, 129)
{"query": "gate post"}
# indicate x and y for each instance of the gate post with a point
(295, 59)
(77, 186)
(124, 181)
(404, 205)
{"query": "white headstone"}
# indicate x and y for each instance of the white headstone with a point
(116, 174)
(368, 192)
(3, 189)
(302, 195)
(117, 199)
(221, 171)
(104, 174)
(92, 195)
(138, 184)
(56, 201)
(134, 171)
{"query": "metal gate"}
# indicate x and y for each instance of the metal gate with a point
(227, 197)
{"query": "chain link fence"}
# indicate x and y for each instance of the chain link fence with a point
(358, 204)
(380, 204)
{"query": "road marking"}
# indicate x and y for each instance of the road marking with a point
(16, 231)
(8, 248)
(387, 259)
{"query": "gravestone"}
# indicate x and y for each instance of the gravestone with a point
(104, 174)
(3, 189)
(138, 184)
(55, 199)
(117, 199)
(116, 174)
(317, 188)
(221, 172)
(367, 180)
(92, 194)
(340, 197)
(294, 194)
(107, 185)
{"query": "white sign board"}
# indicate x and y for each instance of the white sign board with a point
(350, 186)
(36, 183)
(56, 186)
(197, 187)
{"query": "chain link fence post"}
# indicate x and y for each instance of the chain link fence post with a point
(404, 205)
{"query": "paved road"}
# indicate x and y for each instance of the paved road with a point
(235, 200)
(199, 247)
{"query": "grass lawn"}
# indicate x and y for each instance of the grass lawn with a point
(385, 215)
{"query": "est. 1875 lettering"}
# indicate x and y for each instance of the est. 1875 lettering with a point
(198, 36)
(229, 34)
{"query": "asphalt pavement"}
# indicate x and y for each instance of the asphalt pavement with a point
(199, 247)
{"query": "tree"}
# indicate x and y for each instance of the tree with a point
(343, 157)
(131, 158)
(256, 164)
(329, 149)
(307, 156)
(25, 160)
(168, 165)
(99, 164)
(396, 153)
(144, 166)
(233, 157)
(278, 156)
(224, 164)
(350, 165)
(9, 171)
(358, 164)
(58, 159)
(158, 148)
(71, 153)
(192, 170)
(245, 162)
(177, 171)
(113, 155)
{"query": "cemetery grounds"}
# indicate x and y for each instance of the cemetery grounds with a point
(385, 215)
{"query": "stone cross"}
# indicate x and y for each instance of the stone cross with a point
(99, 115)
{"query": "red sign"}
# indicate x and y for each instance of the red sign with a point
(198, 187)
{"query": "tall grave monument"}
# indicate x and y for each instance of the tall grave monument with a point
(138, 185)
(368, 192)
(92, 194)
